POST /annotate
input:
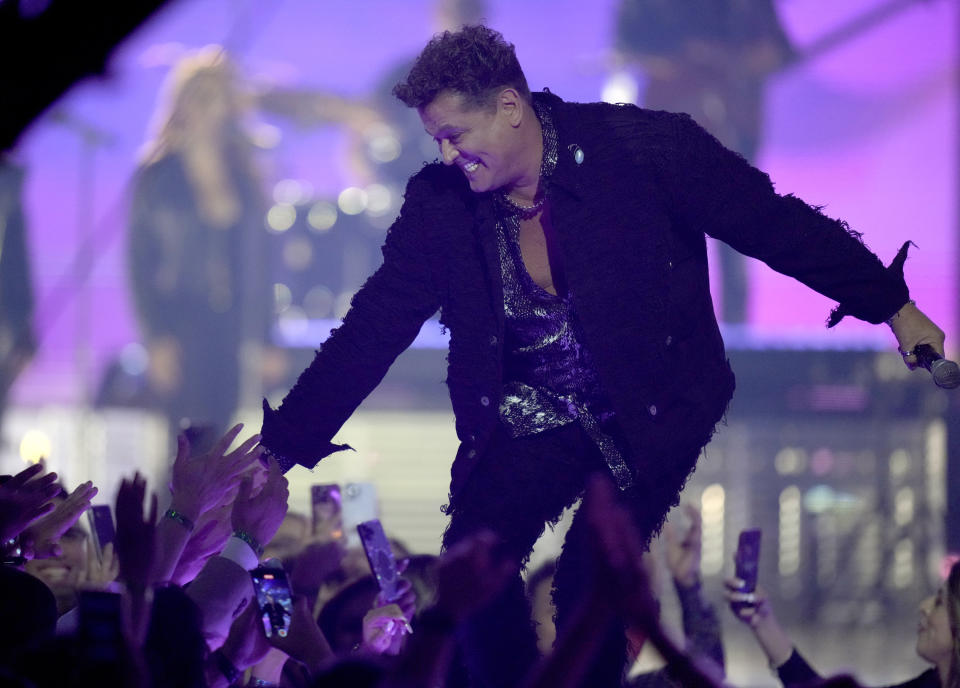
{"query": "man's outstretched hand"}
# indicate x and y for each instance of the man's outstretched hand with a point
(913, 328)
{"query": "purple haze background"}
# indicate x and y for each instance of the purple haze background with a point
(868, 130)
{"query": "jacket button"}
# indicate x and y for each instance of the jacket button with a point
(472, 438)
(471, 453)
(578, 155)
(670, 264)
(493, 340)
(652, 410)
(484, 401)
(669, 340)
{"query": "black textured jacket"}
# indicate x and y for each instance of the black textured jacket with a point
(630, 220)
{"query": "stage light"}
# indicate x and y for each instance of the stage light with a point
(342, 304)
(822, 462)
(266, 136)
(790, 461)
(35, 445)
(292, 192)
(293, 321)
(282, 298)
(903, 506)
(712, 509)
(819, 499)
(788, 560)
(298, 253)
(352, 200)
(322, 216)
(382, 144)
(379, 200)
(281, 217)
(935, 455)
(903, 569)
(620, 87)
(900, 461)
(318, 302)
(134, 359)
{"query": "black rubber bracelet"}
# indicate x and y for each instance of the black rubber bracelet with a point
(175, 515)
(226, 667)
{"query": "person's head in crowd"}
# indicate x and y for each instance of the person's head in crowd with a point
(63, 572)
(175, 648)
(539, 587)
(341, 618)
(28, 610)
(290, 538)
(938, 633)
(199, 101)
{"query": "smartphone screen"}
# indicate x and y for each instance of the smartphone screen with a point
(101, 527)
(274, 600)
(327, 512)
(360, 505)
(380, 556)
(747, 558)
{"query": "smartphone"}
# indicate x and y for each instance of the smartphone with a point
(747, 559)
(380, 556)
(274, 600)
(360, 504)
(101, 527)
(327, 512)
(100, 630)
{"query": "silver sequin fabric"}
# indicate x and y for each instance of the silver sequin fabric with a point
(551, 378)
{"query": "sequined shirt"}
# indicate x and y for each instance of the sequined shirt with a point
(551, 379)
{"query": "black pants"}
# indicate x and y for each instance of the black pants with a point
(518, 487)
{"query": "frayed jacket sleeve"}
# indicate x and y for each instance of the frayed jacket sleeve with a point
(384, 318)
(719, 193)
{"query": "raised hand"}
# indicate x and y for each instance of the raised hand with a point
(201, 483)
(100, 573)
(40, 540)
(912, 328)
(305, 642)
(755, 610)
(207, 540)
(260, 515)
(24, 498)
(683, 552)
(136, 534)
(470, 575)
(384, 628)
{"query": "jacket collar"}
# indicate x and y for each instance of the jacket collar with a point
(567, 174)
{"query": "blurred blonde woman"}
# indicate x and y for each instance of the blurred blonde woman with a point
(195, 219)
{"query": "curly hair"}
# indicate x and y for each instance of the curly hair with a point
(475, 62)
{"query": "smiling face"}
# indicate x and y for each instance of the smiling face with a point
(487, 143)
(934, 637)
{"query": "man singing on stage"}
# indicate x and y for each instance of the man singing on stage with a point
(563, 244)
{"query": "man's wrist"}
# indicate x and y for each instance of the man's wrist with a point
(241, 553)
(892, 320)
(225, 666)
(183, 515)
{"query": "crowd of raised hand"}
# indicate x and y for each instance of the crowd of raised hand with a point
(171, 602)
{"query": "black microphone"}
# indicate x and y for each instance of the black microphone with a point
(946, 373)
